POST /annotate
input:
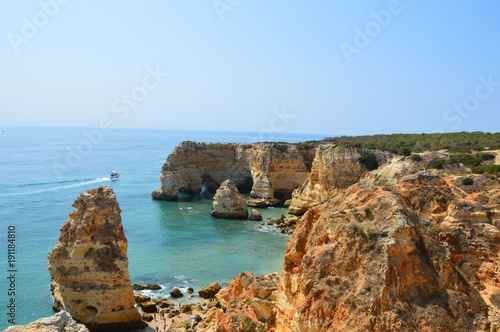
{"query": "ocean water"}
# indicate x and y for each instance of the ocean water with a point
(43, 170)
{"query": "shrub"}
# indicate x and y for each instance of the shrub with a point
(416, 157)
(436, 163)
(369, 160)
(368, 212)
(467, 181)
(486, 156)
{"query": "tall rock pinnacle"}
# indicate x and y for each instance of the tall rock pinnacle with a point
(89, 265)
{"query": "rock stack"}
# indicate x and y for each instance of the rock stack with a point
(228, 203)
(89, 265)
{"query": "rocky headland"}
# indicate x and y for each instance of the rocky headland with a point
(385, 243)
(265, 170)
(89, 265)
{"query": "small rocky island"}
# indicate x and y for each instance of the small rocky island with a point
(228, 203)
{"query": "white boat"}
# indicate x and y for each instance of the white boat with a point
(114, 175)
(185, 208)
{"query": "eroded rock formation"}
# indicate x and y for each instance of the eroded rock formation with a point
(228, 203)
(62, 321)
(403, 249)
(266, 170)
(247, 304)
(89, 265)
(420, 254)
(334, 167)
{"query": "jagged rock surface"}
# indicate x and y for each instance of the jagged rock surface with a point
(404, 249)
(62, 321)
(247, 304)
(334, 167)
(89, 265)
(420, 254)
(228, 203)
(266, 170)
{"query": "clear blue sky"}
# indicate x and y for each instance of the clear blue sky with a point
(236, 64)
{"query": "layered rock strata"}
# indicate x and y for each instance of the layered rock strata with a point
(334, 167)
(419, 255)
(403, 249)
(266, 170)
(228, 203)
(89, 265)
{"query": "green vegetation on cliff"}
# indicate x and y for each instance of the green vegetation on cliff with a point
(404, 144)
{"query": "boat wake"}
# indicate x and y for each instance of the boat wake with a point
(38, 188)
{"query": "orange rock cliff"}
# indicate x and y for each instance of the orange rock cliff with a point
(89, 265)
(397, 248)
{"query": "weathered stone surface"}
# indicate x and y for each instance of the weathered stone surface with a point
(255, 215)
(210, 290)
(89, 266)
(62, 321)
(228, 203)
(397, 267)
(148, 307)
(334, 167)
(401, 250)
(176, 293)
(266, 170)
(139, 298)
(249, 304)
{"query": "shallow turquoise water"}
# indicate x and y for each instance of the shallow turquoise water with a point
(168, 246)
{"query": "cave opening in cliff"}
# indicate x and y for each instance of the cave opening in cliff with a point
(245, 186)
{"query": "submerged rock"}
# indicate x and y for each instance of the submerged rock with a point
(89, 265)
(228, 203)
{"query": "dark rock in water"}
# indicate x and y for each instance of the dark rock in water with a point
(255, 215)
(210, 290)
(139, 298)
(146, 287)
(153, 287)
(148, 306)
(176, 293)
(190, 290)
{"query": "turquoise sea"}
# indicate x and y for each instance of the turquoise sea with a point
(43, 170)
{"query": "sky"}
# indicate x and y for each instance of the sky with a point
(330, 67)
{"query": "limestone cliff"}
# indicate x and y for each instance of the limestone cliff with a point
(89, 265)
(403, 249)
(266, 170)
(334, 167)
(228, 203)
(396, 252)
